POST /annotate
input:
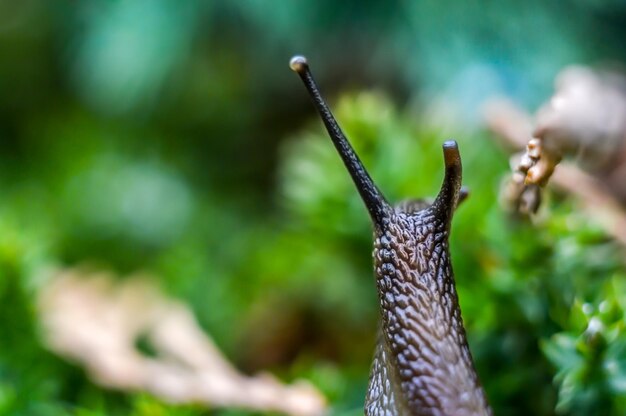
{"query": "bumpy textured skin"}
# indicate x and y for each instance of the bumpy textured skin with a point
(422, 365)
(383, 395)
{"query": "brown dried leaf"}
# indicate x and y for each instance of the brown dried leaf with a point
(94, 320)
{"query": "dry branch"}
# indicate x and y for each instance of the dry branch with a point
(96, 321)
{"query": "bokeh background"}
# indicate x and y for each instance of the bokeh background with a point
(171, 138)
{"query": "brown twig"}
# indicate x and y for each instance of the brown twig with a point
(513, 127)
(96, 321)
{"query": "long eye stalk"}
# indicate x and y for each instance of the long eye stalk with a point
(374, 200)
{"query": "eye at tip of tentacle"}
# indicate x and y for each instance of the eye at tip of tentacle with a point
(299, 63)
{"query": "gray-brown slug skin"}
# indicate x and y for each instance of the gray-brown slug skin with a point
(422, 364)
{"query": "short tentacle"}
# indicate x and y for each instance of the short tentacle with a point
(450, 193)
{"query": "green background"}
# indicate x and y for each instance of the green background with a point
(172, 137)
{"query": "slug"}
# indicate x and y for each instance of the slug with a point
(422, 364)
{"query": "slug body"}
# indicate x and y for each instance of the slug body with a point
(422, 364)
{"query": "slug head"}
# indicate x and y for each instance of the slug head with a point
(422, 365)
(450, 195)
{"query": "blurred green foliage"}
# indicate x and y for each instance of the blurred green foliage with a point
(166, 137)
